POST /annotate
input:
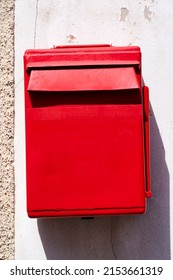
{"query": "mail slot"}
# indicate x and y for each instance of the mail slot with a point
(87, 131)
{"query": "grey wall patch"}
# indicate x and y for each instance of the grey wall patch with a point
(124, 14)
(71, 38)
(147, 13)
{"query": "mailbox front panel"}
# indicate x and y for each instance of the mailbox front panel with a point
(85, 132)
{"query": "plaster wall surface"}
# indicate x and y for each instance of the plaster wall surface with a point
(148, 24)
(6, 129)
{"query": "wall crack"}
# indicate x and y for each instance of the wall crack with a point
(35, 27)
(112, 243)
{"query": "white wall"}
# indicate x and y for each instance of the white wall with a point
(148, 24)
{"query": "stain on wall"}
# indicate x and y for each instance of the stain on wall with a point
(6, 129)
(148, 14)
(71, 38)
(124, 14)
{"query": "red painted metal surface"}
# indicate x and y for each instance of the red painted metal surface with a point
(87, 132)
(83, 79)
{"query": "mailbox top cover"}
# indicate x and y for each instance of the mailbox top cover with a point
(85, 131)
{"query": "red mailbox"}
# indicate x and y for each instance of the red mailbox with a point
(87, 131)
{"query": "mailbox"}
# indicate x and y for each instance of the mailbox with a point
(87, 131)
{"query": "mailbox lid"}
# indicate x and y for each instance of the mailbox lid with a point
(95, 55)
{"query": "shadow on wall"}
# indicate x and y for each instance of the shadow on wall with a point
(119, 237)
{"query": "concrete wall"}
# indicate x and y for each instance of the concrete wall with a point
(147, 23)
(6, 129)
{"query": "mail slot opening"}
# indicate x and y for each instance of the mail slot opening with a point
(53, 99)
